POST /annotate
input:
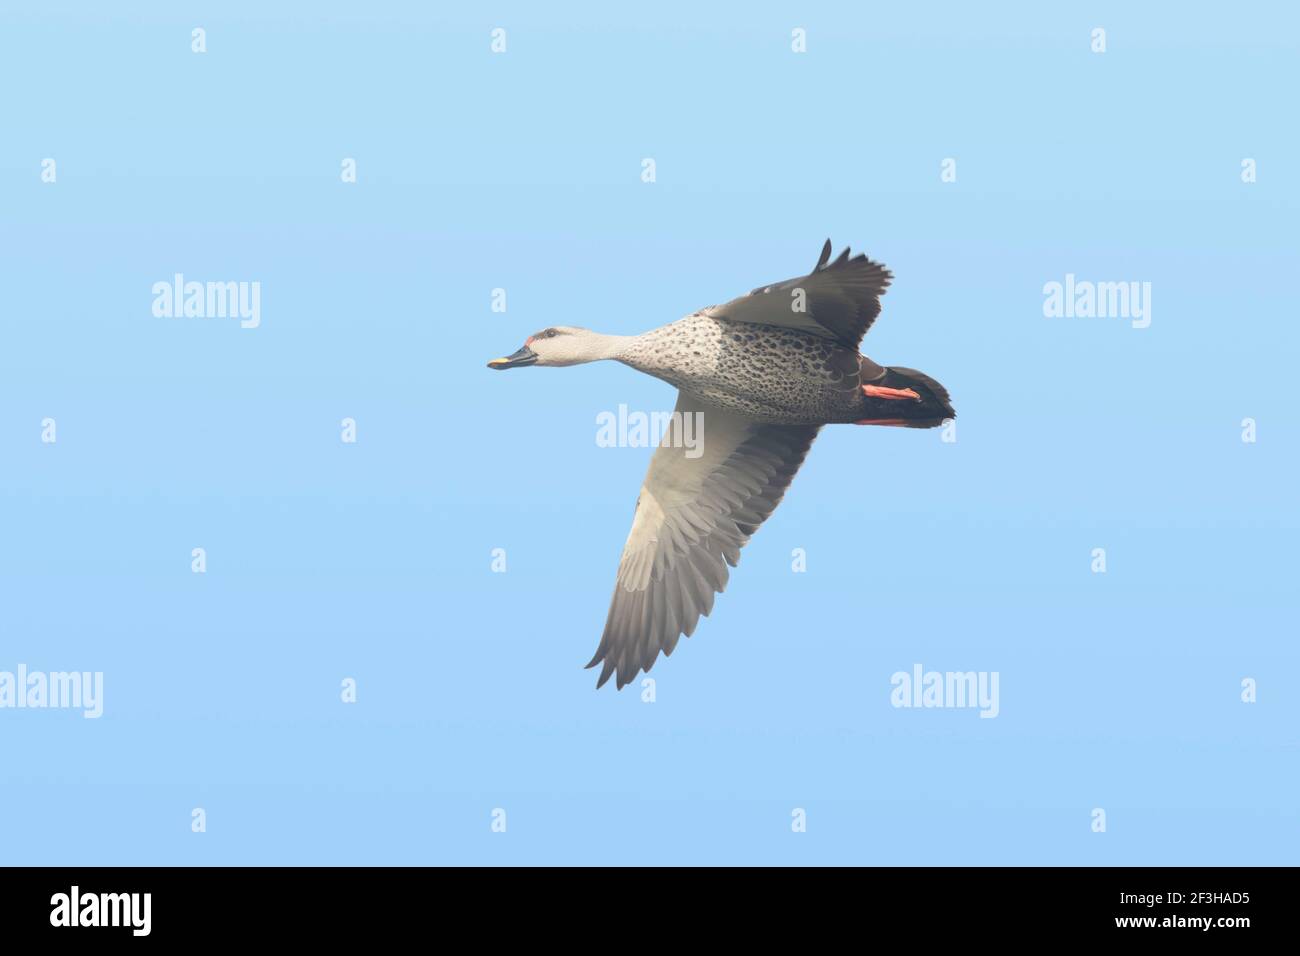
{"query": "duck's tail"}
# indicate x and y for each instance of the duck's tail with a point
(907, 398)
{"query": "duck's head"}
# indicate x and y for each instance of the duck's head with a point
(559, 345)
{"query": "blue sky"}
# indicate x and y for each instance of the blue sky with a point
(522, 170)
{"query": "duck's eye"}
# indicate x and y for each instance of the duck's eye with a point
(549, 334)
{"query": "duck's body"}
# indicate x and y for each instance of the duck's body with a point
(765, 372)
(774, 375)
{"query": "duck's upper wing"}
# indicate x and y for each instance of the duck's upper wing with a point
(837, 300)
(692, 518)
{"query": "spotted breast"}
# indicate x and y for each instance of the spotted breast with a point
(776, 375)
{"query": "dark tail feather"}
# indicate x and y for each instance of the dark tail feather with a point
(934, 408)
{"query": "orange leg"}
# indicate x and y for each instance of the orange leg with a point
(880, 391)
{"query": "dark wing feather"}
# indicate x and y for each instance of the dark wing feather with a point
(839, 299)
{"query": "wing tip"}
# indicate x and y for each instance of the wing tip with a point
(846, 257)
(825, 256)
(625, 673)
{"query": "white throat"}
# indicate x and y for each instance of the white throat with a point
(585, 347)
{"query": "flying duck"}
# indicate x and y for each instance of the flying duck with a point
(764, 372)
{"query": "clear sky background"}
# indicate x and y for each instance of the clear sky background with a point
(522, 170)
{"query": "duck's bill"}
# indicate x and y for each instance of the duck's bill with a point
(525, 356)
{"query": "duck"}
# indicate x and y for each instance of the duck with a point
(761, 374)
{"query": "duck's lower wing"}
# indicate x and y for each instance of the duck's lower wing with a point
(714, 479)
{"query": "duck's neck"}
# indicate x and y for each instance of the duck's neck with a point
(607, 347)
